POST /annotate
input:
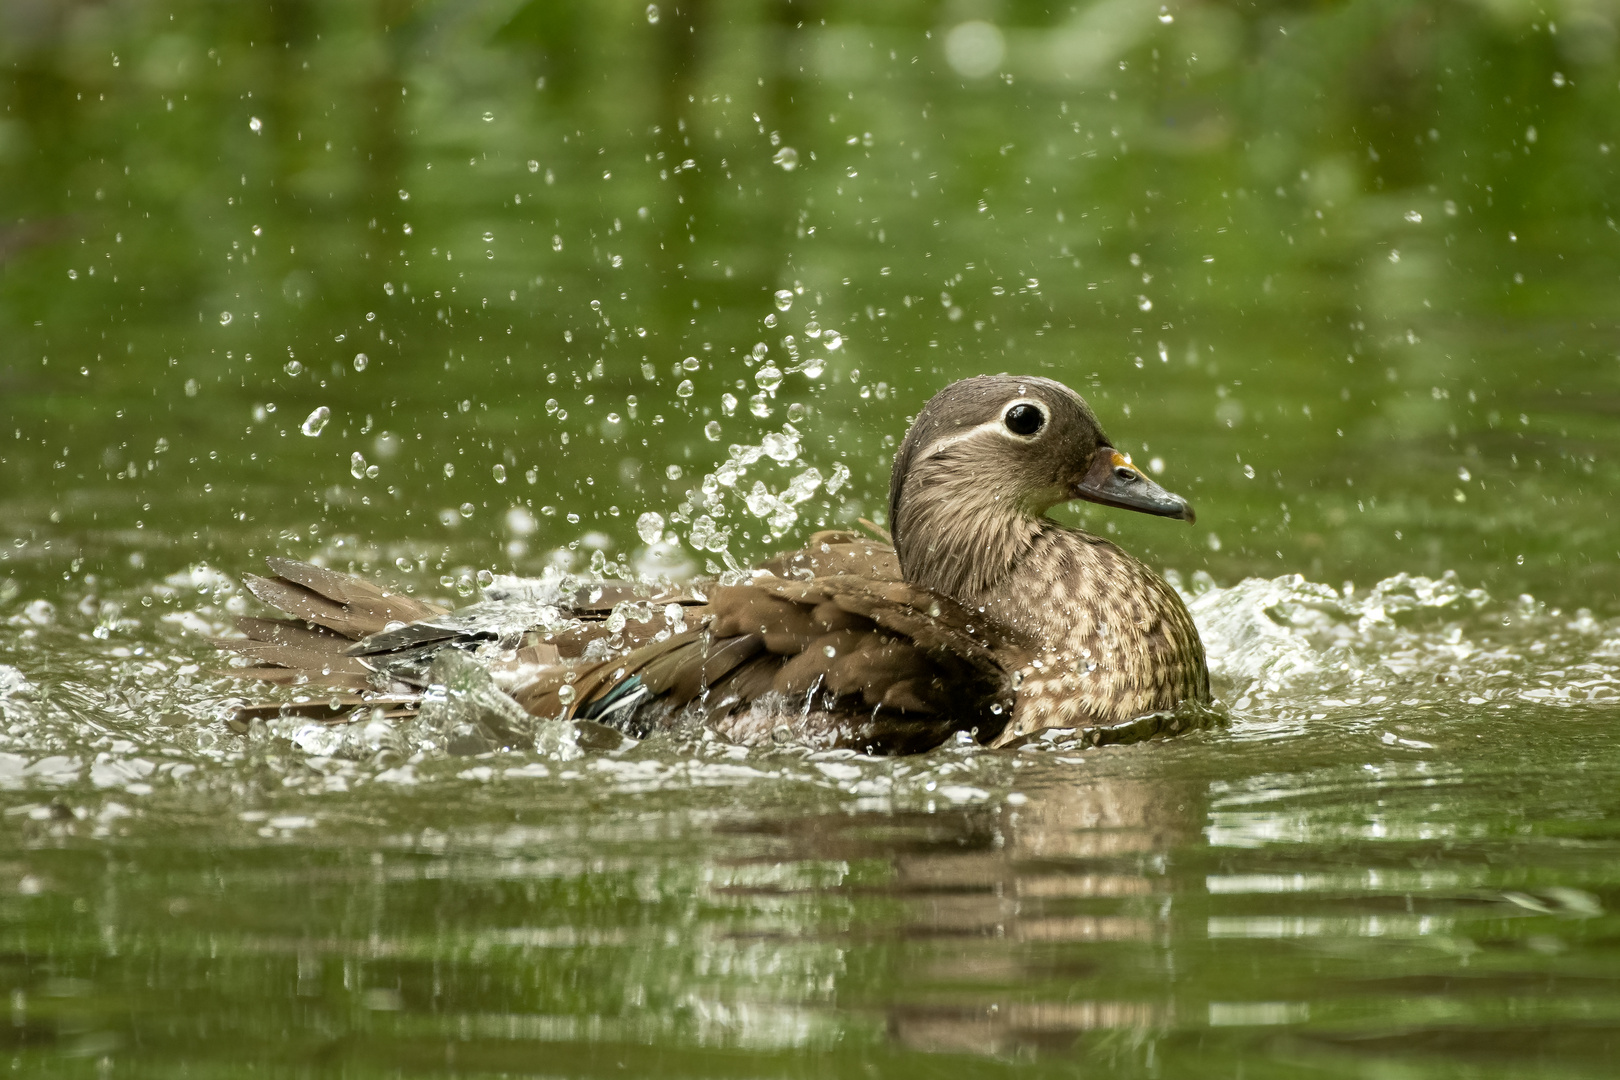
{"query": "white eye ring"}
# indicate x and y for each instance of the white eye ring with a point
(1020, 405)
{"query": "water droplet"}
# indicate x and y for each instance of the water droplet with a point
(706, 536)
(813, 367)
(224, 318)
(500, 474)
(728, 403)
(691, 363)
(292, 367)
(812, 329)
(673, 472)
(652, 13)
(759, 405)
(357, 465)
(466, 510)
(650, 527)
(832, 339)
(779, 446)
(566, 694)
(684, 389)
(489, 238)
(556, 243)
(1144, 303)
(784, 299)
(711, 431)
(1464, 475)
(1165, 16)
(449, 470)
(488, 116)
(1414, 217)
(404, 196)
(192, 386)
(1248, 470)
(787, 157)
(316, 422)
(255, 125)
(360, 361)
(769, 378)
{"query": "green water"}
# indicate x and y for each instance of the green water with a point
(1346, 276)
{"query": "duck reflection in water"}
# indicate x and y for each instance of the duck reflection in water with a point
(1021, 926)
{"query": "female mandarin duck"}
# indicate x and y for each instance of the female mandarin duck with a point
(983, 616)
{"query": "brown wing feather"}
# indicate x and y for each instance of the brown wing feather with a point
(293, 656)
(832, 618)
(361, 597)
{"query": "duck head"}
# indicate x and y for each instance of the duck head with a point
(984, 461)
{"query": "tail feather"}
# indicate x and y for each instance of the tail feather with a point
(292, 656)
(360, 596)
(285, 676)
(330, 612)
(339, 602)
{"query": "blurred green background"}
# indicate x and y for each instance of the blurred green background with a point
(1365, 251)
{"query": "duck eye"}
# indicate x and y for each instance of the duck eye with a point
(1023, 419)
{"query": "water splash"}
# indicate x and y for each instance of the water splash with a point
(1288, 646)
(118, 695)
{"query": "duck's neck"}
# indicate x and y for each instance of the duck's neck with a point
(963, 539)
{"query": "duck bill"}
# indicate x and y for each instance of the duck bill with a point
(1113, 481)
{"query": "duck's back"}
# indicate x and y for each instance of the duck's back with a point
(824, 646)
